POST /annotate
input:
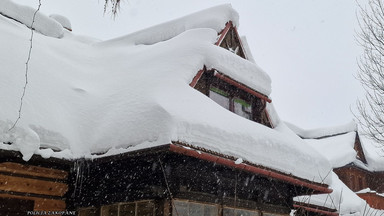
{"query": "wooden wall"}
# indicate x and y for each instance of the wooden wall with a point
(44, 187)
(375, 201)
(143, 177)
(357, 179)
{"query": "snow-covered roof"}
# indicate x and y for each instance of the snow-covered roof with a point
(119, 96)
(337, 145)
(343, 199)
(30, 16)
(323, 132)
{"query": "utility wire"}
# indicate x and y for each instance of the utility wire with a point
(26, 67)
(169, 190)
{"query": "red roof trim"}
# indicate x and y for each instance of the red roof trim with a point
(242, 87)
(227, 162)
(310, 209)
(197, 78)
(224, 32)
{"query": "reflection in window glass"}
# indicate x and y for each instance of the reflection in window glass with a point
(180, 207)
(242, 108)
(109, 210)
(196, 209)
(185, 208)
(239, 212)
(221, 98)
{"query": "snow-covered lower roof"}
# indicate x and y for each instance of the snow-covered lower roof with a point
(84, 98)
(338, 148)
(323, 132)
(343, 199)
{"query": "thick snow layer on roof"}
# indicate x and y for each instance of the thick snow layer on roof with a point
(64, 21)
(25, 14)
(337, 149)
(83, 99)
(345, 201)
(323, 132)
(215, 19)
(374, 154)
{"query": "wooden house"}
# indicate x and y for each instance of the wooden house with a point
(350, 162)
(198, 171)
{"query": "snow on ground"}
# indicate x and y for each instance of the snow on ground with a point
(85, 97)
(25, 14)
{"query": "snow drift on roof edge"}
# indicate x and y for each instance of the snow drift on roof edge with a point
(94, 98)
(323, 132)
(213, 18)
(25, 14)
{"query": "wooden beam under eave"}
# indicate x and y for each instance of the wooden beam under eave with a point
(33, 186)
(35, 171)
(41, 204)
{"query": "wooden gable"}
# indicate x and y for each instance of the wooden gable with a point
(230, 40)
(359, 149)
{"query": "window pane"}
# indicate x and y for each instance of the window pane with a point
(196, 209)
(127, 209)
(228, 212)
(220, 99)
(211, 210)
(88, 212)
(145, 208)
(110, 210)
(180, 207)
(239, 212)
(243, 108)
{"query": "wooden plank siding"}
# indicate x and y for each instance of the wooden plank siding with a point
(46, 187)
(17, 168)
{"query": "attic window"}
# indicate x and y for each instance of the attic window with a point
(237, 105)
(234, 98)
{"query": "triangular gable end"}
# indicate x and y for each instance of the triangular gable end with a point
(229, 39)
(359, 149)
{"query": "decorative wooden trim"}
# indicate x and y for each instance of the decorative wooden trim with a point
(27, 185)
(197, 77)
(36, 171)
(223, 33)
(318, 188)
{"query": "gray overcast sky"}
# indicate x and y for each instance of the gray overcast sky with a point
(306, 46)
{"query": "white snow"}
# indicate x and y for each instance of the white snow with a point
(374, 154)
(345, 201)
(323, 132)
(64, 21)
(337, 149)
(25, 14)
(133, 93)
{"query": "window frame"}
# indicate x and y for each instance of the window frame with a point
(99, 210)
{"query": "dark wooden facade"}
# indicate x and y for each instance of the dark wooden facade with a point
(39, 185)
(160, 175)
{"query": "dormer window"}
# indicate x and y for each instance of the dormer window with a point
(232, 97)
(235, 104)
